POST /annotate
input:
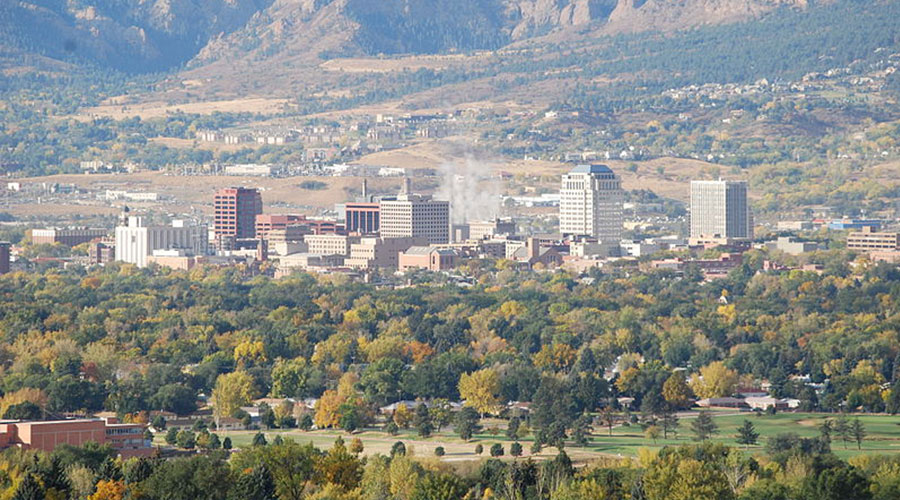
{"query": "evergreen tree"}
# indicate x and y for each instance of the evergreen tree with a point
(515, 449)
(258, 484)
(172, 436)
(259, 439)
(226, 443)
(467, 422)
(422, 421)
(29, 489)
(512, 429)
(842, 429)
(704, 426)
(747, 434)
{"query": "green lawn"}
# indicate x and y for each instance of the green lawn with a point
(883, 436)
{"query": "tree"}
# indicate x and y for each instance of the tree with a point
(676, 391)
(328, 410)
(214, 442)
(715, 380)
(479, 389)
(467, 422)
(349, 418)
(232, 391)
(29, 488)
(159, 423)
(422, 421)
(175, 398)
(186, 439)
(258, 483)
(479, 449)
(858, 431)
(669, 421)
(515, 449)
(171, 436)
(398, 448)
(259, 439)
(356, 446)
(226, 443)
(266, 416)
(440, 413)
(652, 432)
(608, 417)
(108, 490)
(340, 467)
(704, 426)
(747, 434)
(581, 429)
(306, 422)
(512, 428)
(496, 450)
(391, 428)
(826, 428)
(439, 451)
(402, 416)
(24, 411)
(842, 429)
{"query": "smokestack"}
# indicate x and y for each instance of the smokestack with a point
(406, 186)
(365, 190)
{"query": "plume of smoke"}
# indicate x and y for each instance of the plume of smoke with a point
(473, 193)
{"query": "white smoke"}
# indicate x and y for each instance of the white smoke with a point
(471, 188)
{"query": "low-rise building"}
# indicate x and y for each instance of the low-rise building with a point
(69, 237)
(868, 240)
(430, 258)
(126, 439)
(372, 252)
(792, 246)
(330, 244)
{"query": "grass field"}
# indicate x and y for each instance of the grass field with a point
(883, 437)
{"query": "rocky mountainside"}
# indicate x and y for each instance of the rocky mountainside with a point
(146, 35)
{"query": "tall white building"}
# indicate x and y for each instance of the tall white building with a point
(719, 209)
(590, 204)
(415, 216)
(135, 241)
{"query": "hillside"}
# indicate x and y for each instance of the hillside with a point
(152, 35)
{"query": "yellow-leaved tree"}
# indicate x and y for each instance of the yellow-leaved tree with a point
(232, 391)
(479, 389)
(715, 380)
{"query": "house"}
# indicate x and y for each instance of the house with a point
(727, 402)
(765, 402)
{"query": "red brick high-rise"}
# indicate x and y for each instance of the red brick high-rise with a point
(235, 213)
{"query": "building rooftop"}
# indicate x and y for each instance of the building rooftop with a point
(592, 169)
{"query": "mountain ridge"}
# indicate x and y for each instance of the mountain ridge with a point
(152, 35)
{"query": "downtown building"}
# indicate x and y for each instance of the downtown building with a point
(136, 242)
(234, 215)
(720, 211)
(415, 216)
(590, 204)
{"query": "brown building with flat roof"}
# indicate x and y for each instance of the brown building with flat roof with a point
(68, 237)
(127, 439)
(868, 240)
(235, 212)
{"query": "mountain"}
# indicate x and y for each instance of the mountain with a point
(129, 35)
(152, 35)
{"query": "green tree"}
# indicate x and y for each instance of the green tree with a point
(515, 449)
(422, 421)
(258, 483)
(512, 428)
(259, 439)
(858, 431)
(496, 450)
(467, 422)
(704, 426)
(747, 434)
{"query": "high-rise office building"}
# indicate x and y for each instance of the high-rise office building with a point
(235, 213)
(417, 216)
(135, 242)
(590, 203)
(719, 209)
(4, 257)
